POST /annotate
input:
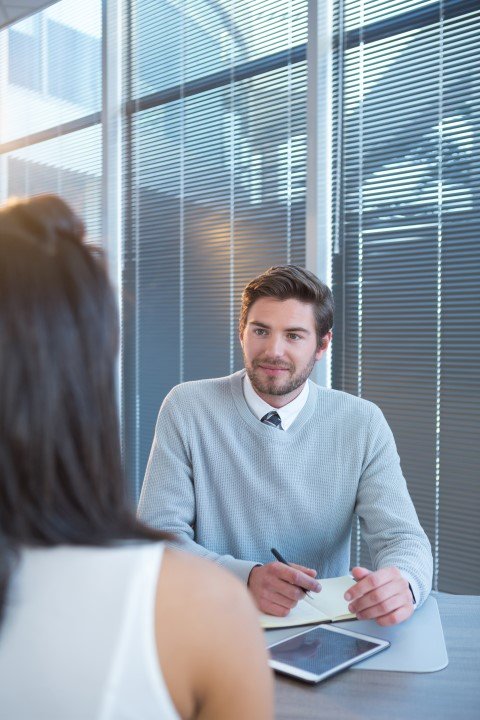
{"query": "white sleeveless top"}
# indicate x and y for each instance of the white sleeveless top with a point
(78, 638)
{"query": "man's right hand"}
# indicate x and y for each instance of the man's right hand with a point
(277, 588)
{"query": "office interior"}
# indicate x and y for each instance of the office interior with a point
(203, 141)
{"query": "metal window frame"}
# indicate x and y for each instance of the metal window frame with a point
(319, 155)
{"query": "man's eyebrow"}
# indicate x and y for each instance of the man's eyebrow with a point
(267, 327)
(257, 322)
(297, 330)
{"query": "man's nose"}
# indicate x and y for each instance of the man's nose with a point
(275, 346)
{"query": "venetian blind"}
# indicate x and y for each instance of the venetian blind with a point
(215, 149)
(407, 255)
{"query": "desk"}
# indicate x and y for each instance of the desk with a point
(450, 694)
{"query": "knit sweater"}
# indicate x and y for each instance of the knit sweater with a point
(230, 487)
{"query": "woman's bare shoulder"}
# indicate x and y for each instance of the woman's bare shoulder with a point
(207, 630)
(188, 577)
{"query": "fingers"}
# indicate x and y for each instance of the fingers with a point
(360, 572)
(291, 574)
(396, 617)
(273, 602)
(277, 588)
(307, 571)
(272, 608)
(368, 581)
(382, 595)
(287, 594)
(272, 597)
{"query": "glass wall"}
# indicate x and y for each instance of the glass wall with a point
(214, 187)
(213, 157)
(406, 252)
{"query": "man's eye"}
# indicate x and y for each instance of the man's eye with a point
(294, 336)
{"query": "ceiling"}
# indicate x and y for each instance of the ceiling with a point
(12, 10)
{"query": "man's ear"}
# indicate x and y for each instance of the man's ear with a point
(326, 340)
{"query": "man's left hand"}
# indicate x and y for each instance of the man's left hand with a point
(383, 595)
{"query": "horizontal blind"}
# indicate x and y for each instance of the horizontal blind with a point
(70, 166)
(459, 413)
(50, 103)
(215, 144)
(407, 258)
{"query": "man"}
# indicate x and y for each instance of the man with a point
(266, 458)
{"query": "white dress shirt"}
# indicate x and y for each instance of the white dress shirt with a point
(259, 407)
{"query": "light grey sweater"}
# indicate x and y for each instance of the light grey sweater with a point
(231, 487)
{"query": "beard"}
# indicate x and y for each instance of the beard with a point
(276, 385)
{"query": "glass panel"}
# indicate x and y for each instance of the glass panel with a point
(217, 181)
(407, 211)
(52, 74)
(200, 38)
(70, 165)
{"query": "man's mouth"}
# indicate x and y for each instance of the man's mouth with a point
(273, 369)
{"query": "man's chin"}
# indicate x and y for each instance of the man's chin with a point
(274, 386)
(271, 390)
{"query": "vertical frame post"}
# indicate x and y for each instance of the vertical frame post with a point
(319, 152)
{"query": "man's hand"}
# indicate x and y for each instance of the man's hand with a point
(277, 588)
(383, 595)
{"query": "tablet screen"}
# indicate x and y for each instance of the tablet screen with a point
(320, 650)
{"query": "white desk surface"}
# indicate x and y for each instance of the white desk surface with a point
(416, 645)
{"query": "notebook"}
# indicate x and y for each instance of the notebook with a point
(328, 605)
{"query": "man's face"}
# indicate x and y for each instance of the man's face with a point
(280, 348)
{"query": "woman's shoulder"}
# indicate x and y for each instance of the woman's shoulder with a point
(207, 630)
(191, 588)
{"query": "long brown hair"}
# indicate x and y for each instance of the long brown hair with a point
(61, 480)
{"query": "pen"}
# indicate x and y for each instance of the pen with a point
(281, 559)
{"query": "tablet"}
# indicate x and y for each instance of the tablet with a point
(322, 651)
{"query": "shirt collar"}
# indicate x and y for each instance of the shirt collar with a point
(259, 407)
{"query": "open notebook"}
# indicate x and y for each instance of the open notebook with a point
(326, 606)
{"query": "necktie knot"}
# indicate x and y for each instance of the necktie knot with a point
(272, 418)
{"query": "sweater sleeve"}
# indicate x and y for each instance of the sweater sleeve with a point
(167, 501)
(388, 519)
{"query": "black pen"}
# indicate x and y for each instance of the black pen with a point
(281, 559)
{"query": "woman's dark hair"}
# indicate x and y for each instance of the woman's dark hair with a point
(285, 282)
(61, 480)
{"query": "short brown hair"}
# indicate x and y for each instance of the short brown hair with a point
(284, 282)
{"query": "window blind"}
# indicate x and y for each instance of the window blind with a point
(406, 256)
(215, 151)
(50, 107)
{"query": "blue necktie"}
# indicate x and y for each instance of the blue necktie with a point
(272, 418)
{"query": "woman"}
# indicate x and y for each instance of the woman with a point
(98, 621)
